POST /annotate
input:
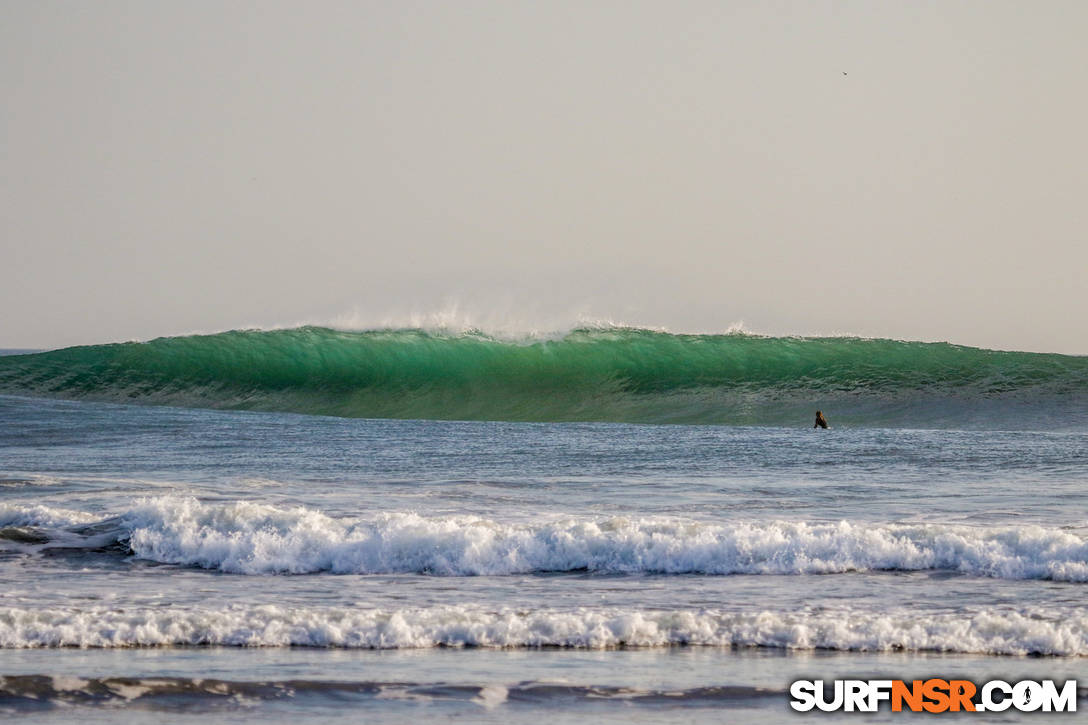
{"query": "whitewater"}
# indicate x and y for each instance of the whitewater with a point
(246, 538)
(609, 524)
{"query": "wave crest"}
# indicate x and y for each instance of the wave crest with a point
(1035, 631)
(592, 373)
(249, 538)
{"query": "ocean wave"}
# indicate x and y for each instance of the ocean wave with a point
(1061, 632)
(29, 692)
(589, 374)
(253, 539)
(41, 515)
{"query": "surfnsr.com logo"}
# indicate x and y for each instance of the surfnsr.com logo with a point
(933, 695)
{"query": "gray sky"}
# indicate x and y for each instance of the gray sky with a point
(199, 166)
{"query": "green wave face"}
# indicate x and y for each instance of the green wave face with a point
(620, 374)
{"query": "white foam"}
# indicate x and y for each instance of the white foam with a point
(253, 539)
(1015, 632)
(39, 515)
(248, 538)
(491, 696)
(68, 683)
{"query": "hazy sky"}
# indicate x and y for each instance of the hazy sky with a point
(902, 169)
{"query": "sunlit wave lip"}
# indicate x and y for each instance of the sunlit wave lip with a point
(595, 373)
(254, 539)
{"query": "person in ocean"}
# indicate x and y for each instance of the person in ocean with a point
(821, 421)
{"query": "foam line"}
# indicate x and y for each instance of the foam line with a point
(1035, 631)
(254, 539)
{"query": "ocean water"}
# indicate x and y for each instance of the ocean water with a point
(488, 528)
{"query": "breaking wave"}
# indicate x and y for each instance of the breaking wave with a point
(589, 374)
(254, 539)
(1062, 632)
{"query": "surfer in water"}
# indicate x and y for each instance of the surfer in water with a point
(821, 421)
